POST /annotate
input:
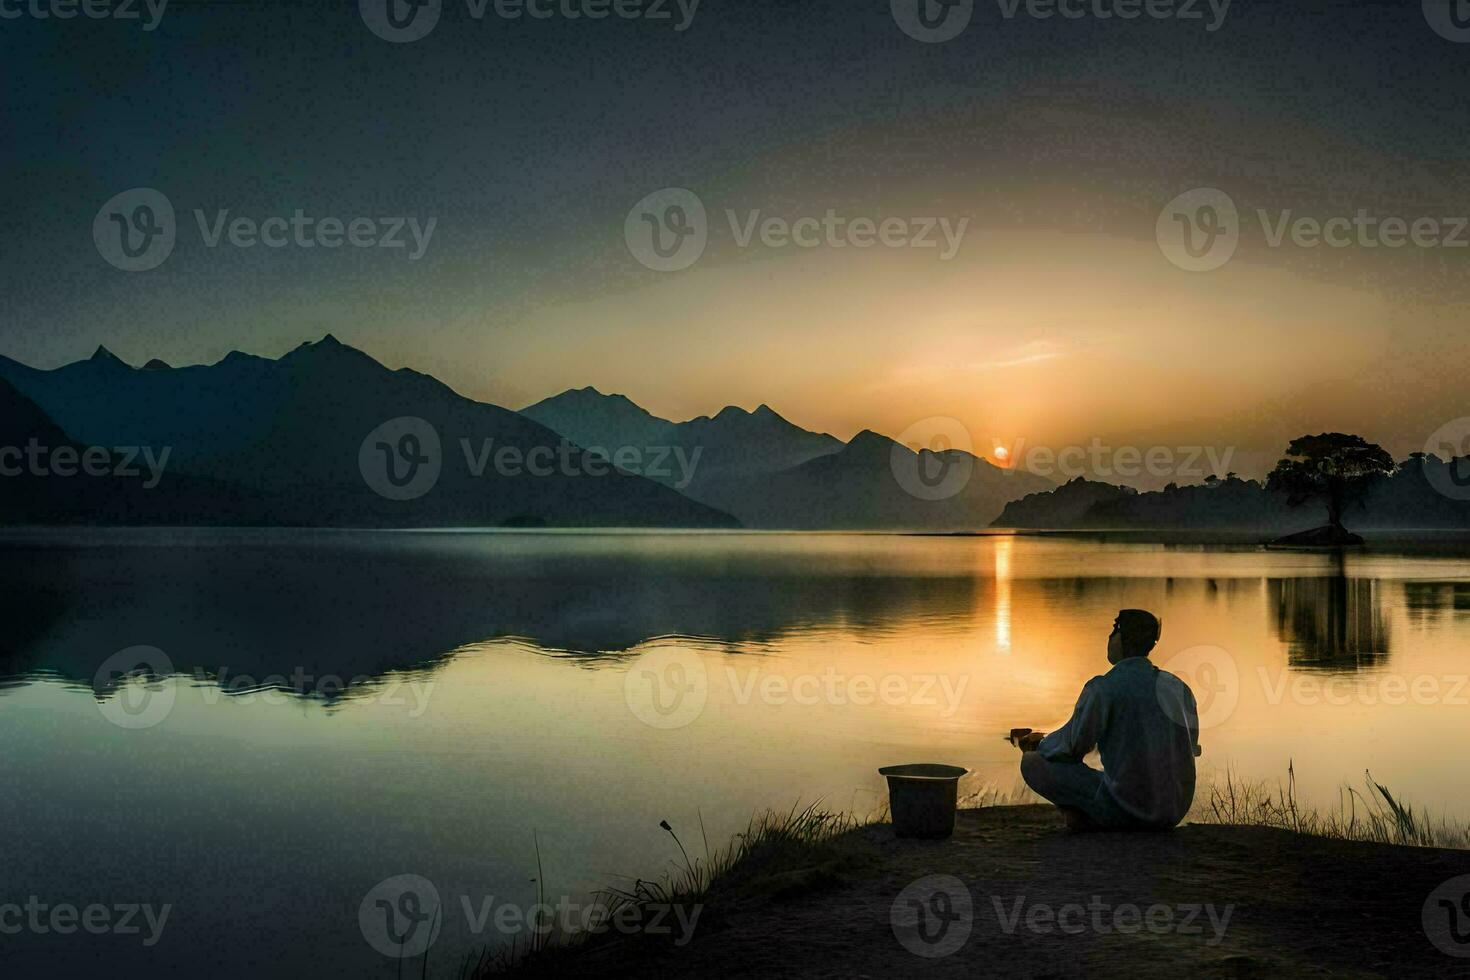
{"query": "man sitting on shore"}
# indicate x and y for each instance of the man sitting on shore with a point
(1145, 725)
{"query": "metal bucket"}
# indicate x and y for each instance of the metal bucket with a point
(922, 799)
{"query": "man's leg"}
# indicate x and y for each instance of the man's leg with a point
(1062, 783)
(1074, 786)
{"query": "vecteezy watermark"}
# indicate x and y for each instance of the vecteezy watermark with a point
(933, 917)
(1450, 19)
(1446, 917)
(91, 9)
(1339, 690)
(936, 21)
(1099, 459)
(668, 687)
(120, 462)
(933, 458)
(66, 919)
(1096, 916)
(668, 230)
(401, 917)
(675, 463)
(133, 687)
(1200, 229)
(1450, 444)
(136, 230)
(402, 21)
(403, 459)
(1218, 683)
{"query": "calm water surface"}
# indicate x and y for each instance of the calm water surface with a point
(342, 707)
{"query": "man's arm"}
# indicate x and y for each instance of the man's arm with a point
(1080, 734)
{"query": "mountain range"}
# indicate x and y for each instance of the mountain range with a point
(327, 436)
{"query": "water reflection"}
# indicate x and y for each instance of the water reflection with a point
(322, 617)
(1003, 549)
(1427, 602)
(326, 615)
(1331, 623)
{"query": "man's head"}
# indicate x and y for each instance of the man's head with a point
(1135, 632)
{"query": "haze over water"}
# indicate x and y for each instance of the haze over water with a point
(510, 686)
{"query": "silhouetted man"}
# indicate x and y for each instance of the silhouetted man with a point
(1145, 725)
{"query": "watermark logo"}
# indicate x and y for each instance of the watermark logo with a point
(1446, 917)
(1213, 677)
(43, 918)
(1450, 19)
(401, 459)
(135, 230)
(932, 21)
(1181, 10)
(1102, 918)
(830, 687)
(933, 459)
(400, 21)
(1199, 230)
(91, 9)
(400, 916)
(119, 462)
(1340, 690)
(933, 916)
(132, 687)
(1451, 443)
(1103, 461)
(668, 230)
(667, 687)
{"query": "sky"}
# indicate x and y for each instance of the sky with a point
(1054, 151)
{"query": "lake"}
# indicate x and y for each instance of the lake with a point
(256, 728)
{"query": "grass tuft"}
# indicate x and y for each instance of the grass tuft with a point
(1371, 814)
(780, 854)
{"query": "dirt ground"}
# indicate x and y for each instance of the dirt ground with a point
(1231, 902)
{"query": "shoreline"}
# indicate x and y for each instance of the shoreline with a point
(1025, 898)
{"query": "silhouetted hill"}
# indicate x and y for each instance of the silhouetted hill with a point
(589, 418)
(875, 483)
(1061, 507)
(738, 444)
(1407, 499)
(48, 478)
(771, 473)
(699, 453)
(288, 433)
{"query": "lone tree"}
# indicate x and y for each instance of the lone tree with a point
(1332, 466)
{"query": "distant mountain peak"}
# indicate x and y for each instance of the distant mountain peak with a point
(870, 440)
(157, 364)
(102, 354)
(328, 350)
(328, 342)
